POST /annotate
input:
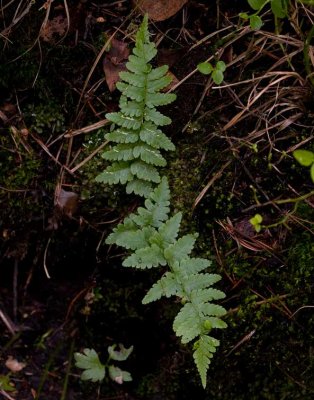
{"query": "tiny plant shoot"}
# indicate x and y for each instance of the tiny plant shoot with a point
(306, 159)
(151, 234)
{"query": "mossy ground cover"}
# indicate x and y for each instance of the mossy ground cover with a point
(227, 167)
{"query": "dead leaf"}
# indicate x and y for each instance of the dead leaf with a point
(54, 29)
(114, 62)
(13, 365)
(66, 201)
(159, 10)
(174, 82)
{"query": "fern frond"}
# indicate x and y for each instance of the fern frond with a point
(151, 236)
(138, 120)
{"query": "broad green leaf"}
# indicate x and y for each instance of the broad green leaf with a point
(221, 66)
(278, 9)
(256, 22)
(256, 4)
(205, 68)
(304, 157)
(89, 361)
(119, 355)
(217, 76)
(312, 172)
(244, 16)
(118, 375)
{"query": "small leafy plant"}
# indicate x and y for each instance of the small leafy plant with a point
(256, 221)
(306, 159)
(150, 234)
(278, 7)
(217, 72)
(96, 371)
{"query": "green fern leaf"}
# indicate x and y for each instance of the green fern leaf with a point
(204, 349)
(122, 135)
(147, 257)
(156, 117)
(180, 249)
(133, 92)
(130, 238)
(155, 137)
(196, 265)
(211, 310)
(133, 79)
(124, 121)
(156, 73)
(149, 155)
(159, 99)
(199, 281)
(188, 323)
(205, 295)
(145, 50)
(138, 65)
(170, 229)
(166, 286)
(145, 171)
(142, 34)
(139, 187)
(116, 173)
(130, 108)
(121, 152)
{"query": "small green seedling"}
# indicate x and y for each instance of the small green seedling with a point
(256, 222)
(96, 371)
(278, 7)
(217, 72)
(306, 159)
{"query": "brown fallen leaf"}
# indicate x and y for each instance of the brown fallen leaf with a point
(66, 201)
(54, 29)
(114, 62)
(13, 365)
(159, 10)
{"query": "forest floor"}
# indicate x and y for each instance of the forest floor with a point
(62, 289)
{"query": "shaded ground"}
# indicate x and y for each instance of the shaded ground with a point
(233, 159)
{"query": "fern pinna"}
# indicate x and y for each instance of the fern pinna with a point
(139, 141)
(150, 234)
